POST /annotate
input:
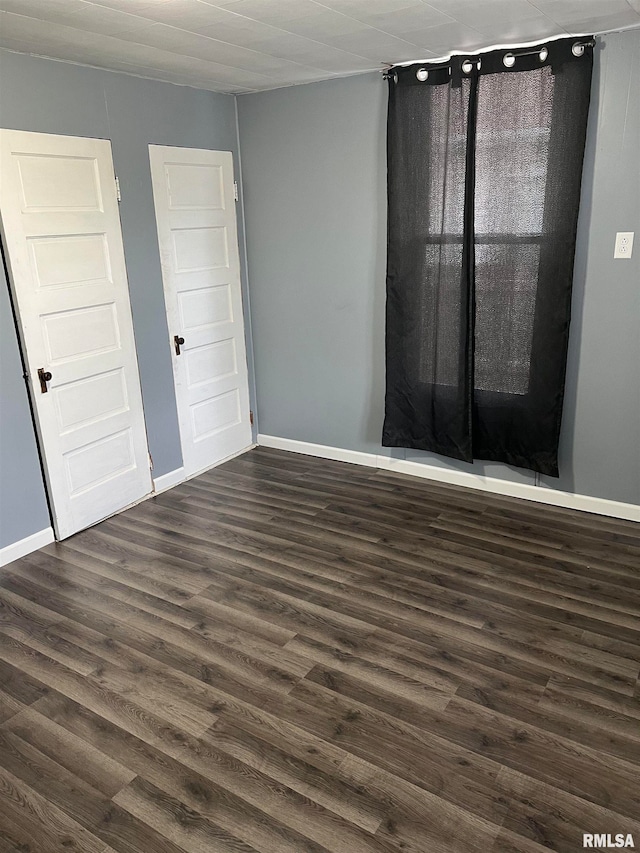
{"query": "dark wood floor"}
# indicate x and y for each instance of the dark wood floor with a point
(289, 655)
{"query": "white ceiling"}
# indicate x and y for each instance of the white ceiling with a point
(250, 45)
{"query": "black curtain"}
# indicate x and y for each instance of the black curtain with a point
(484, 170)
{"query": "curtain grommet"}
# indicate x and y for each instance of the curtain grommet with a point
(422, 74)
(467, 66)
(577, 49)
(544, 53)
(508, 60)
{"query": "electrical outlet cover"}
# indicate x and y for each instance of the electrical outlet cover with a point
(624, 244)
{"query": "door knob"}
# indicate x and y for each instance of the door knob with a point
(178, 342)
(44, 376)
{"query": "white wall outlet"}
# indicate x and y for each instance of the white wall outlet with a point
(624, 244)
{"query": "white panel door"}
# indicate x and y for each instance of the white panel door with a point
(195, 212)
(62, 234)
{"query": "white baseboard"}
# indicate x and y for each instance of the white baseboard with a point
(179, 475)
(26, 546)
(168, 481)
(525, 491)
(160, 484)
(221, 462)
(340, 454)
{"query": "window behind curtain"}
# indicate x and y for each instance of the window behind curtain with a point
(484, 170)
(512, 149)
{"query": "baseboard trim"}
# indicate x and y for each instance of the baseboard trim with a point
(221, 462)
(26, 546)
(168, 481)
(525, 491)
(160, 484)
(339, 454)
(180, 475)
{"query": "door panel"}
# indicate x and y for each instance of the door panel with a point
(55, 183)
(61, 228)
(196, 218)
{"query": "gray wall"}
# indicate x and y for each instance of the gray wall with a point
(22, 500)
(314, 183)
(55, 97)
(600, 442)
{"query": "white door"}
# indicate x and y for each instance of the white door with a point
(62, 235)
(193, 192)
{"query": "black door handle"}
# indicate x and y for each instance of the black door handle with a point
(44, 376)
(178, 342)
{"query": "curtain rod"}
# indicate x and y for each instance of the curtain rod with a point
(435, 64)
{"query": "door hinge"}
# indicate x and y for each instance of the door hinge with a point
(235, 191)
(251, 417)
(150, 462)
(118, 193)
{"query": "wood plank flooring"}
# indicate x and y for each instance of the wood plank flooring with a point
(290, 655)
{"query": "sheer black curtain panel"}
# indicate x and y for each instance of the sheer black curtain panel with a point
(484, 168)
